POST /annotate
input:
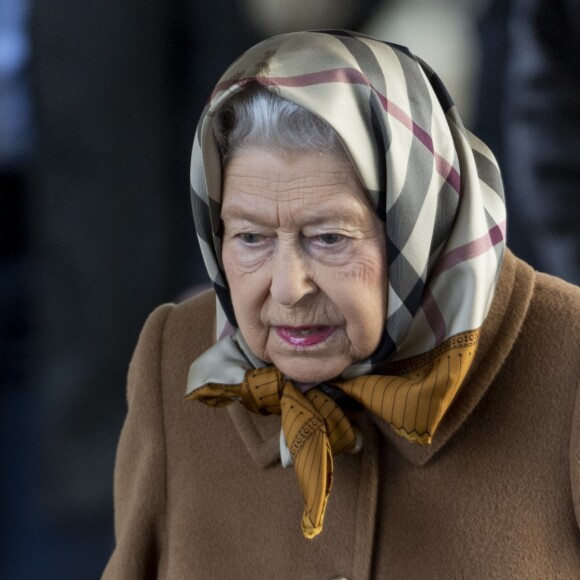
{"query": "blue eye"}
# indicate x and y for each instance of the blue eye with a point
(250, 238)
(330, 239)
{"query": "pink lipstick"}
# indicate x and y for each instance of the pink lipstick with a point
(304, 335)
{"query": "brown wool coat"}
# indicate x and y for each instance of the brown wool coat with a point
(200, 492)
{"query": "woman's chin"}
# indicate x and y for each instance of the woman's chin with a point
(311, 369)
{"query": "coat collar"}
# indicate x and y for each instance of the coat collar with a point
(260, 433)
(500, 330)
(498, 335)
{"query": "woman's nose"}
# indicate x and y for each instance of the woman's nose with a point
(291, 276)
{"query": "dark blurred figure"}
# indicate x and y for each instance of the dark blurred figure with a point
(491, 89)
(16, 150)
(118, 86)
(530, 116)
(16, 155)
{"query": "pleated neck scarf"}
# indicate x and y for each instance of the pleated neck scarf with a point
(438, 190)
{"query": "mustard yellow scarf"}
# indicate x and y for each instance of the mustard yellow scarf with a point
(315, 428)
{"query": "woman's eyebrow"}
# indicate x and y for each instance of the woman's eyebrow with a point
(334, 217)
(240, 214)
(339, 215)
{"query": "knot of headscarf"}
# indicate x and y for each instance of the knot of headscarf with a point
(315, 428)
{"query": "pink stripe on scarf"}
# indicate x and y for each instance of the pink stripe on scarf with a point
(470, 250)
(433, 315)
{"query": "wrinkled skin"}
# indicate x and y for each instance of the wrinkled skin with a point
(304, 255)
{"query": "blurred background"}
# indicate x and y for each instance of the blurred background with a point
(98, 108)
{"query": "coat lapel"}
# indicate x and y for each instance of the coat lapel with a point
(260, 433)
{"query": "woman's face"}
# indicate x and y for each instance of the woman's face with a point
(304, 256)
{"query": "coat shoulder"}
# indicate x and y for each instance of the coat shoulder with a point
(189, 330)
(554, 319)
(557, 295)
(547, 303)
(173, 336)
(192, 323)
(555, 312)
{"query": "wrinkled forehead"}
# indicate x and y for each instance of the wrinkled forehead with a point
(299, 188)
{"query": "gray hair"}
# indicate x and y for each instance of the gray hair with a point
(257, 118)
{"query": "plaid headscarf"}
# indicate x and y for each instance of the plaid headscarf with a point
(436, 186)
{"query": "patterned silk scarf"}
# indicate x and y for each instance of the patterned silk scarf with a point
(438, 190)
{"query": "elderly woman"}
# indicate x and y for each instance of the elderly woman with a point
(398, 391)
